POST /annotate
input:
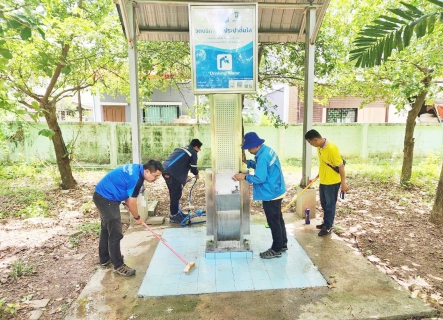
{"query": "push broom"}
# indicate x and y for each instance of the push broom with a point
(189, 265)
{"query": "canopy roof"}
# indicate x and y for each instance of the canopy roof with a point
(278, 20)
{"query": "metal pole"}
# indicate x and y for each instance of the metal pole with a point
(308, 95)
(133, 82)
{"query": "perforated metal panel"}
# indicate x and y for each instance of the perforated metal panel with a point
(226, 126)
(227, 201)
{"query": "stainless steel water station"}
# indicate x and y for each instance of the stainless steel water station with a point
(227, 201)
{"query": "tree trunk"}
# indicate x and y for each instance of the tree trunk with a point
(61, 152)
(408, 146)
(79, 107)
(437, 210)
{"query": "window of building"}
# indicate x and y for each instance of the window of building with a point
(160, 113)
(65, 115)
(341, 115)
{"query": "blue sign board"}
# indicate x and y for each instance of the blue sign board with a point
(223, 48)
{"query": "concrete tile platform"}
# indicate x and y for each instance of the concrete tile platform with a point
(358, 290)
(226, 271)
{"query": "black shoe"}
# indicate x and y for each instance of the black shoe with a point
(269, 254)
(285, 248)
(319, 226)
(125, 271)
(105, 264)
(325, 231)
(175, 219)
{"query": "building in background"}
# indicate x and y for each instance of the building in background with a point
(164, 107)
(290, 108)
(177, 106)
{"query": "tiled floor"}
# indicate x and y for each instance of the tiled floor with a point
(165, 275)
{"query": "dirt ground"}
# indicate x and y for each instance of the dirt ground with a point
(386, 224)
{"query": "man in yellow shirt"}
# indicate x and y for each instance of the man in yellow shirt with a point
(330, 180)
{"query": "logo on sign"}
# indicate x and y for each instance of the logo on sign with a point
(224, 62)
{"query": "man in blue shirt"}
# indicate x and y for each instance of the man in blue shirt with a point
(177, 166)
(124, 183)
(269, 187)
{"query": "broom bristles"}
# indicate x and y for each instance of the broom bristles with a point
(189, 267)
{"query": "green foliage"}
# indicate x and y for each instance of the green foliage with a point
(269, 118)
(202, 111)
(87, 207)
(399, 79)
(38, 208)
(386, 170)
(82, 46)
(338, 229)
(9, 308)
(248, 118)
(266, 121)
(33, 170)
(20, 269)
(75, 241)
(27, 298)
(296, 162)
(163, 64)
(21, 185)
(18, 20)
(46, 133)
(2, 302)
(426, 172)
(91, 229)
(376, 42)
(11, 135)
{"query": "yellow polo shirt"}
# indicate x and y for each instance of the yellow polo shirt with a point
(329, 154)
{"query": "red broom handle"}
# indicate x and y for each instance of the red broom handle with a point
(164, 242)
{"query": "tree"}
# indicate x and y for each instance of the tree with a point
(437, 209)
(81, 47)
(387, 37)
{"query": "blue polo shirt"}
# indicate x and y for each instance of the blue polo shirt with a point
(122, 182)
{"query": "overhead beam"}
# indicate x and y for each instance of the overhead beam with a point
(302, 26)
(123, 4)
(273, 5)
(319, 21)
(183, 31)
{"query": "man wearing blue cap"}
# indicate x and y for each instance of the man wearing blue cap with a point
(269, 187)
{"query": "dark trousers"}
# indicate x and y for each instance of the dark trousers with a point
(328, 201)
(111, 230)
(274, 217)
(175, 193)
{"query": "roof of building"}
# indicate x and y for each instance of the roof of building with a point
(167, 20)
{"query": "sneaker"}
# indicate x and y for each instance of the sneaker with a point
(285, 248)
(325, 231)
(319, 226)
(125, 271)
(269, 254)
(105, 264)
(175, 219)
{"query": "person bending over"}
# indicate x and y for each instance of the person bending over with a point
(177, 166)
(124, 183)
